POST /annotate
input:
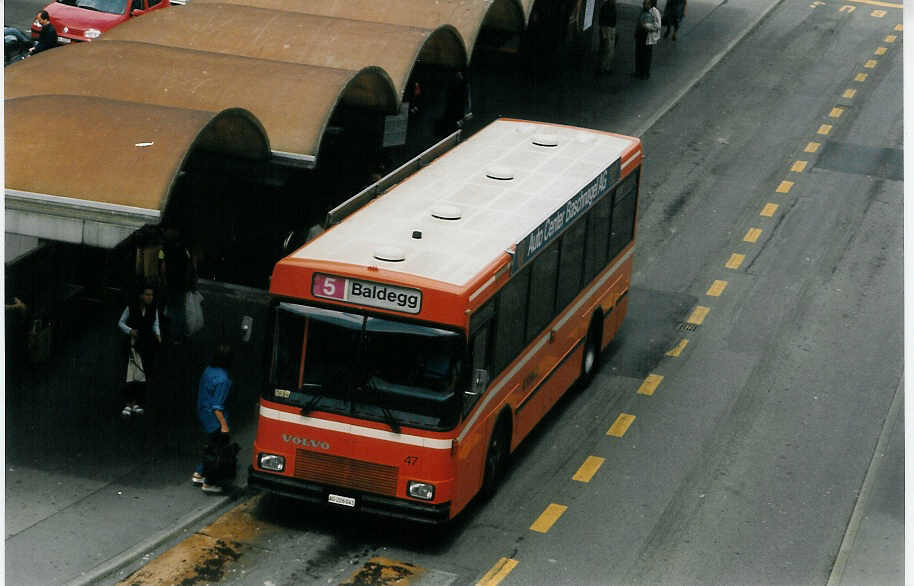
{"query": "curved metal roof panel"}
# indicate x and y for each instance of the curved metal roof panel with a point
(292, 101)
(136, 149)
(286, 36)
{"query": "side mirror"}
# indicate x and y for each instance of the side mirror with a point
(137, 12)
(479, 383)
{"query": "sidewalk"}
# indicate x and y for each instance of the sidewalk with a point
(88, 493)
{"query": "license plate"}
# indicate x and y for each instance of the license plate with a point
(63, 40)
(341, 500)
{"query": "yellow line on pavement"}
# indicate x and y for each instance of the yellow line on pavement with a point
(548, 518)
(798, 166)
(620, 425)
(811, 147)
(847, 8)
(836, 112)
(880, 51)
(823, 129)
(877, 3)
(878, 13)
(899, 27)
(650, 384)
(698, 315)
(588, 469)
(890, 38)
(678, 348)
(785, 187)
(716, 288)
(735, 261)
(870, 64)
(849, 93)
(498, 572)
(752, 235)
(769, 210)
(382, 571)
(860, 77)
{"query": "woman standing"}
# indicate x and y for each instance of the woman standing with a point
(140, 322)
(647, 33)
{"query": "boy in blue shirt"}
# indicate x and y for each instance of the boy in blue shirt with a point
(212, 396)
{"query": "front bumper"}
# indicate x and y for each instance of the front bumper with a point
(367, 503)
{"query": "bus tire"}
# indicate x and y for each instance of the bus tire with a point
(590, 362)
(496, 458)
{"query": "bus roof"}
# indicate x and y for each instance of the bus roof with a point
(471, 182)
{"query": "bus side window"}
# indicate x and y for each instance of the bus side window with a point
(542, 290)
(510, 321)
(597, 237)
(479, 349)
(623, 221)
(571, 261)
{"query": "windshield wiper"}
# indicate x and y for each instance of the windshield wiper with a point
(391, 420)
(316, 396)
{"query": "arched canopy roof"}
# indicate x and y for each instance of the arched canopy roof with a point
(294, 102)
(296, 38)
(466, 17)
(125, 178)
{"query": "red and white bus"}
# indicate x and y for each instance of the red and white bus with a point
(419, 340)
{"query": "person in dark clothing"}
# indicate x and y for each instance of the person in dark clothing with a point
(180, 277)
(140, 322)
(607, 35)
(672, 16)
(47, 38)
(647, 32)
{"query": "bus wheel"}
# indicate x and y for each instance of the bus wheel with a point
(496, 459)
(591, 360)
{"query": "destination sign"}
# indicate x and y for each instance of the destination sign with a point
(367, 293)
(578, 204)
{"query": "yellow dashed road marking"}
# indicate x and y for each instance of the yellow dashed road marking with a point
(380, 571)
(620, 425)
(870, 64)
(798, 166)
(849, 93)
(548, 518)
(699, 314)
(847, 8)
(899, 27)
(735, 261)
(811, 147)
(877, 3)
(860, 77)
(650, 384)
(499, 572)
(890, 38)
(785, 187)
(879, 13)
(588, 469)
(836, 112)
(752, 235)
(823, 129)
(678, 348)
(769, 210)
(716, 288)
(880, 51)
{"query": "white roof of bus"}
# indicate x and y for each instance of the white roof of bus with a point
(495, 214)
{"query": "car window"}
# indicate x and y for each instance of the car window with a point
(153, 2)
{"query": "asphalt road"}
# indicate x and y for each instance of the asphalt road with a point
(745, 464)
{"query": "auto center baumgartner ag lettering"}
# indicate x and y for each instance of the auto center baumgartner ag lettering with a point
(367, 293)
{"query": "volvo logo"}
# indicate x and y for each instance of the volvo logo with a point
(305, 442)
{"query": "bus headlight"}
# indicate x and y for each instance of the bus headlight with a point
(420, 490)
(271, 462)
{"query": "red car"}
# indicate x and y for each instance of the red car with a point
(86, 20)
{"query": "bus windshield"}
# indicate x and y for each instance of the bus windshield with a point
(365, 366)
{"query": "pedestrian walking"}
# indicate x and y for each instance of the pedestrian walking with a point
(607, 36)
(673, 12)
(647, 33)
(140, 322)
(180, 278)
(212, 396)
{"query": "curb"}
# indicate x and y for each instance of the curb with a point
(641, 130)
(123, 559)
